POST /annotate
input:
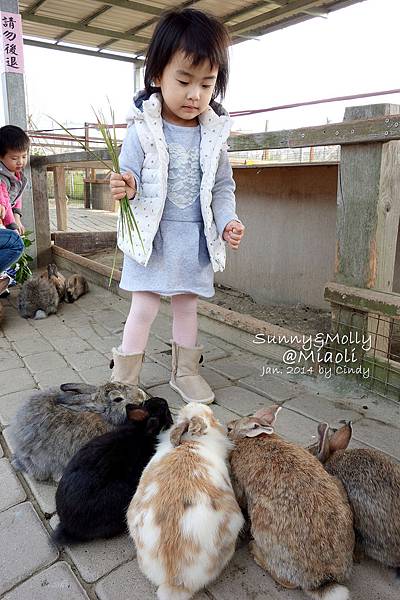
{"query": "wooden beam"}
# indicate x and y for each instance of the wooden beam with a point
(42, 220)
(85, 21)
(288, 10)
(386, 304)
(371, 130)
(284, 18)
(85, 242)
(249, 8)
(31, 10)
(141, 7)
(146, 23)
(76, 26)
(72, 157)
(60, 198)
(85, 52)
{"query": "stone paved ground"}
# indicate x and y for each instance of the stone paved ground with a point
(75, 345)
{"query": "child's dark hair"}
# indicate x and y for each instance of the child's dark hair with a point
(199, 35)
(13, 138)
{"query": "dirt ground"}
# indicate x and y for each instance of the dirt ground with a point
(297, 317)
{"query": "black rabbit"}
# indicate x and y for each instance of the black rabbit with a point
(100, 480)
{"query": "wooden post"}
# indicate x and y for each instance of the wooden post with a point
(265, 152)
(86, 185)
(42, 221)
(60, 198)
(136, 76)
(368, 211)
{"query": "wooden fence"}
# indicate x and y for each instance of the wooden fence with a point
(368, 193)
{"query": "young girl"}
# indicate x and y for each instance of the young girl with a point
(176, 171)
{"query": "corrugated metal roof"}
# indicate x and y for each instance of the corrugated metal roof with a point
(126, 25)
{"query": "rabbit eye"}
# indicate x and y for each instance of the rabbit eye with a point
(118, 399)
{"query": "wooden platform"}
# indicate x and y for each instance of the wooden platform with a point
(84, 219)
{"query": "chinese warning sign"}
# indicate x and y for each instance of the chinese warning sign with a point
(11, 43)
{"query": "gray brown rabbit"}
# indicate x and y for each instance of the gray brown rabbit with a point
(301, 521)
(39, 296)
(54, 424)
(372, 482)
(76, 286)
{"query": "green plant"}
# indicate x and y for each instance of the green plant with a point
(109, 134)
(23, 271)
(128, 222)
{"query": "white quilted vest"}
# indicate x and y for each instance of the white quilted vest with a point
(148, 204)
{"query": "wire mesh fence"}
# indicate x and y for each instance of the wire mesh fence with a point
(82, 191)
(366, 346)
(74, 187)
(314, 154)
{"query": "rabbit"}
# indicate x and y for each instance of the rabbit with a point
(40, 296)
(75, 287)
(301, 521)
(54, 424)
(99, 481)
(372, 483)
(184, 518)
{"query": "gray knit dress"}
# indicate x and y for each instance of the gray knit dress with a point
(180, 262)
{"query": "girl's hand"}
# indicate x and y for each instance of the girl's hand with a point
(121, 185)
(2, 211)
(233, 234)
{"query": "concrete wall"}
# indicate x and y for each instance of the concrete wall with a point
(290, 217)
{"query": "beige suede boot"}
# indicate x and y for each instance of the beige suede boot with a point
(126, 369)
(185, 378)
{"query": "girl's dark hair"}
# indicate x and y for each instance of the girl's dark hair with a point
(13, 138)
(199, 35)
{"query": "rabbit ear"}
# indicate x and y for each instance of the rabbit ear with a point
(79, 403)
(197, 426)
(323, 444)
(135, 413)
(267, 416)
(178, 431)
(341, 438)
(153, 425)
(258, 429)
(52, 270)
(78, 388)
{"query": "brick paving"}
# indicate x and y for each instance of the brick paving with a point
(75, 345)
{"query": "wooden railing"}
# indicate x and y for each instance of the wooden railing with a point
(368, 196)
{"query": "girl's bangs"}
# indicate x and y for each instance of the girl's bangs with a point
(198, 51)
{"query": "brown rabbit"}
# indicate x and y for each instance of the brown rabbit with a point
(372, 482)
(75, 287)
(40, 296)
(300, 517)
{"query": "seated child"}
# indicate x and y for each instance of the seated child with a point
(14, 146)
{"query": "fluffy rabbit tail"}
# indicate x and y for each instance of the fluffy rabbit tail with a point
(40, 314)
(62, 537)
(331, 591)
(169, 592)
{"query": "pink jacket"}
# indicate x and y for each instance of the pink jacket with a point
(8, 218)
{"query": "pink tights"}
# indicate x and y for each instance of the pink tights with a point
(144, 309)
